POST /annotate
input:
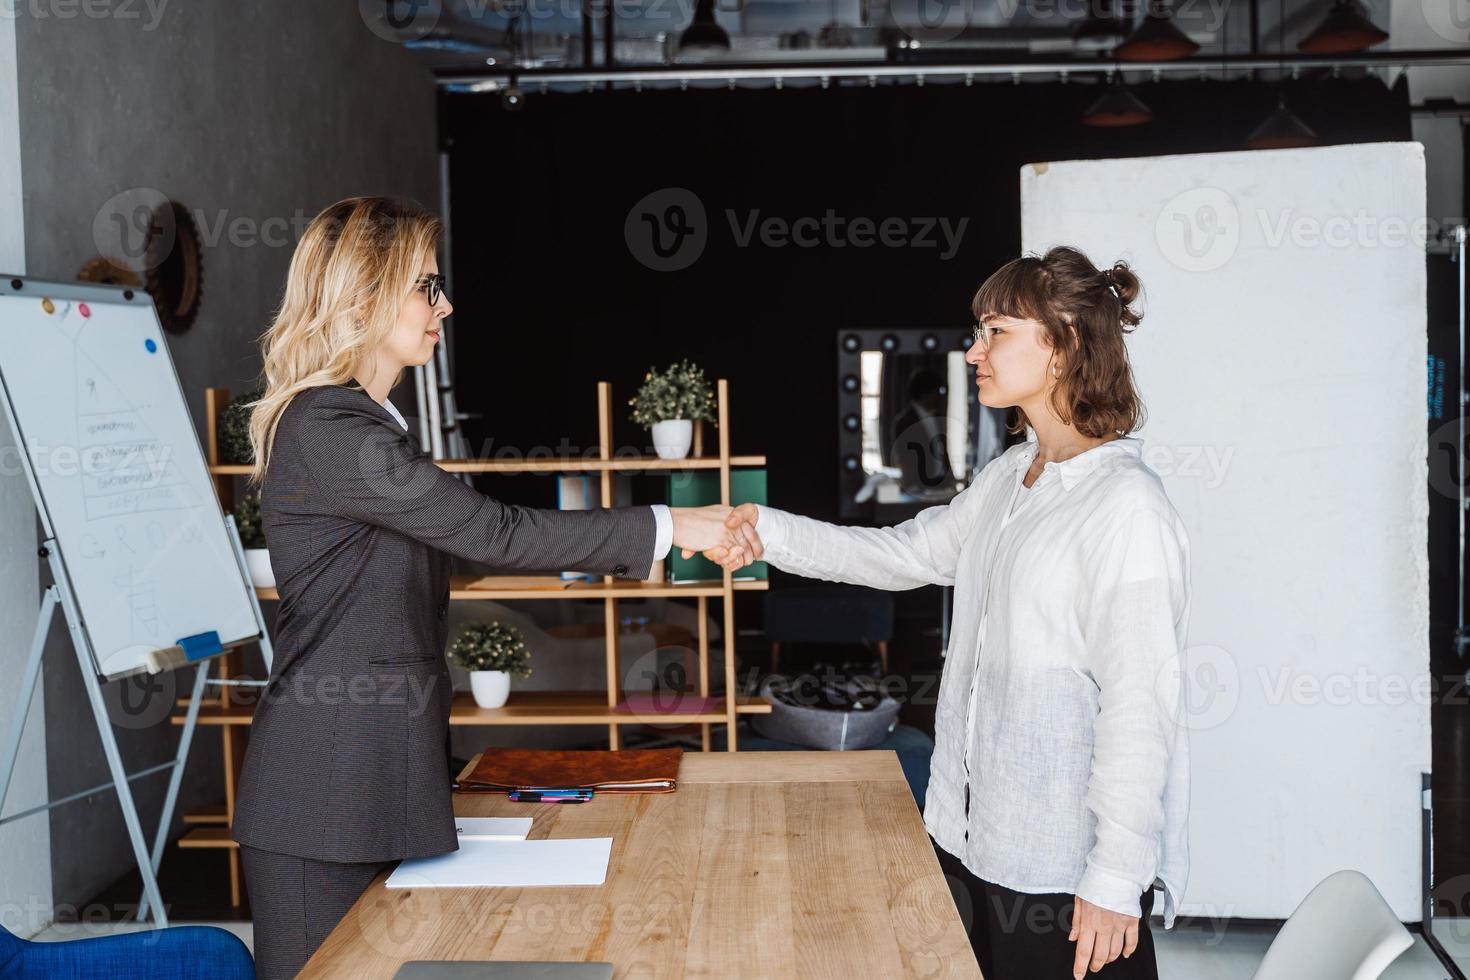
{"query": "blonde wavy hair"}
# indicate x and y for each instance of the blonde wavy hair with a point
(356, 264)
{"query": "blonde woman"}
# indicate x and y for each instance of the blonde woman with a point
(347, 767)
(1059, 783)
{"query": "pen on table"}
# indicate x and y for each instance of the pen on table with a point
(551, 791)
(550, 796)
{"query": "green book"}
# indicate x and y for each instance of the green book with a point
(699, 488)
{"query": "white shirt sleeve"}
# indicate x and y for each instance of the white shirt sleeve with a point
(663, 539)
(1136, 614)
(923, 550)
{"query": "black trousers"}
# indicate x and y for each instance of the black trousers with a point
(1017, 936)
(295, 902)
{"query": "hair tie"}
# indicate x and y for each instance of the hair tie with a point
(1108, 278)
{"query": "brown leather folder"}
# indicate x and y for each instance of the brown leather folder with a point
(624, 771)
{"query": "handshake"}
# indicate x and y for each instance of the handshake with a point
(724, 535)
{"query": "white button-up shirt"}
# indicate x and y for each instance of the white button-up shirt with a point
(1061, 691)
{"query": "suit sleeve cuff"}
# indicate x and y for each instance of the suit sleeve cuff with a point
(664, 537)
(1110, 891)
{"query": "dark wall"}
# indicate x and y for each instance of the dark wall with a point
(551, 298)
(259, 113)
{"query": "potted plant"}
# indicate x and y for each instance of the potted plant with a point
(232, 429)
(491, 652)
(252, 539)
(669, 402)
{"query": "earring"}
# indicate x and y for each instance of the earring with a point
(1055, 373)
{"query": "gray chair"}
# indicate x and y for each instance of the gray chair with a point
(1342, 930)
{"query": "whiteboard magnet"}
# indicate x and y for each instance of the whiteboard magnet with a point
(48, 306)
(84, 309)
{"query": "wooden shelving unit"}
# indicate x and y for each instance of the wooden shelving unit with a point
(582, 708)
(460, 587)
(529, 708)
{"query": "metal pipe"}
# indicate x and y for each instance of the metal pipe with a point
(99, 788)
(587, 33)
(171, 796)
(27, 692)
(609, 38)
(489, 78)
(1461, 637)
(452, 435)
(1441, 108)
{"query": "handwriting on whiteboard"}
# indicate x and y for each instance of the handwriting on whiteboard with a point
(125, 470)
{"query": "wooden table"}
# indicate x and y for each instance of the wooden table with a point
(762, 864)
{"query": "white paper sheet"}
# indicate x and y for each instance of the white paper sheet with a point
(509, 864)
(492, 828)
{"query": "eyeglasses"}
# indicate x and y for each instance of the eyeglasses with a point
(981, 335)
(433, 285)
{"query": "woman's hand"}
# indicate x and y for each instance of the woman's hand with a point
(1100, 934)
(703, 529)
(743, 519)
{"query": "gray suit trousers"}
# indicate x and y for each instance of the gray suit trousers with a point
(295, 902)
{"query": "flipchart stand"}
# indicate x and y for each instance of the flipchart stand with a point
(59, 593)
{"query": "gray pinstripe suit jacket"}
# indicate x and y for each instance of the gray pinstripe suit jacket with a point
(347, 751)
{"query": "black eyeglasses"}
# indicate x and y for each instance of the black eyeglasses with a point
(433, 286)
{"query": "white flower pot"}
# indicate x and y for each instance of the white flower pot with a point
(490, 687)
(672, 438)
(258, 560)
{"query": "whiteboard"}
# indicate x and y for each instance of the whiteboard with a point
(1281, 361)
(117, 472)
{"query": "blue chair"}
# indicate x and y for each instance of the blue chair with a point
(180, 953)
